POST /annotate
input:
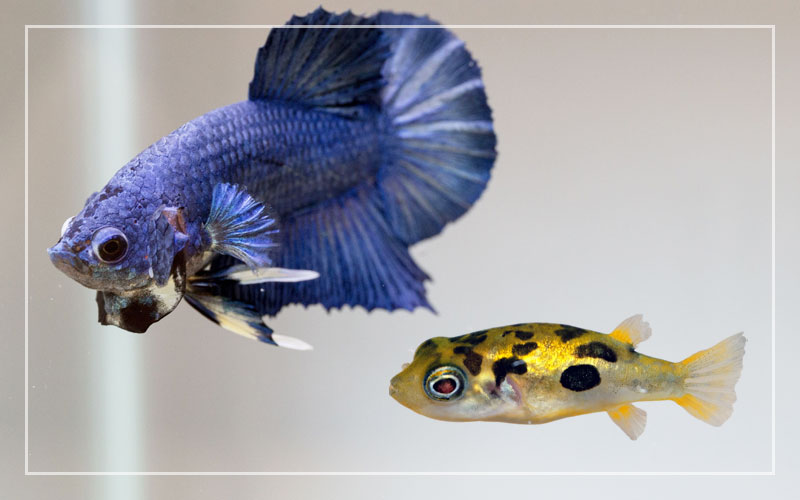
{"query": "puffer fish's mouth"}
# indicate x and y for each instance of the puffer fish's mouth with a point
(66, 261)
(393, 390)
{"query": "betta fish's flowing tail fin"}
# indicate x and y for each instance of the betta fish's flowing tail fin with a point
(443, 144)
(712, 376)
(437, 148)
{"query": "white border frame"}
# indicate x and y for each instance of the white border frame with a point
(771, 27)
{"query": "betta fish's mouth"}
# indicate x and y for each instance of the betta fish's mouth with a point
(66, 261)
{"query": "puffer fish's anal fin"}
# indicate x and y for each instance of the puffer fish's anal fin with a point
(633, 330)
(711, 380)
(630, 419)
(240, 226)
(238, 317)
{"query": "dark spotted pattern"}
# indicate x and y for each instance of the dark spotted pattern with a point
(580, 378)
(426, 346)
(523, 349)
(473, 338)
(596, 350)
(504, 366)
(472, 360)
(519, 334)
(567, 333)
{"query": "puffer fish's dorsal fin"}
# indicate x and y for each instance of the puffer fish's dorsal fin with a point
(633, 330)
(336, 69)
(630, 419)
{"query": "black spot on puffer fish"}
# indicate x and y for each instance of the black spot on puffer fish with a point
(523, 349)
(472, 360)
(596, 350)
(473, 338)
(504, 366)
(567, 333)
(580, 378)
(519, 334)
(426, 346)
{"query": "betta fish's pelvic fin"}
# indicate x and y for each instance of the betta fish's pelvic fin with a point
(236, 316)
(633, 330)
(240, 226)
(203, 293)
(630, 419)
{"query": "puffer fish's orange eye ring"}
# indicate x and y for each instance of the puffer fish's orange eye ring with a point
(445, 383)
(109, 245)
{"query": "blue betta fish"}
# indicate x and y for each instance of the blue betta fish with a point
(355, 143)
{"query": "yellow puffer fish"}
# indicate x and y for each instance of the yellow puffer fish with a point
(534, 373)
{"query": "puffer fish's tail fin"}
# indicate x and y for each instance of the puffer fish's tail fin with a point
(711, 378)
(437, 150)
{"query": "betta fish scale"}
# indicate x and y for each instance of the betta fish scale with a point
(354, 143)
(535, 373)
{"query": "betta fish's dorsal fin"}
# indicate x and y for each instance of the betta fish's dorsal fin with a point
(335, 69)
(633, 330)
(630, 419)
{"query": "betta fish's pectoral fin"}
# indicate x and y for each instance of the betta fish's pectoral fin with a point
(238, 317)
(630, 419)
(240, 226)
(136, 310)
(633, 330)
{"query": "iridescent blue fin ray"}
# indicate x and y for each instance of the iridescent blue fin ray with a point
(240, 226)
(444, 145)
(333, 69)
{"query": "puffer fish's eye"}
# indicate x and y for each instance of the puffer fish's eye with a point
(109, 244)
(445, 383)
(66, 224)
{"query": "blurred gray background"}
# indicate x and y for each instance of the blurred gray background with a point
(633, 177)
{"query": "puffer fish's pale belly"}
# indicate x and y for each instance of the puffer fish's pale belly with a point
(572, 371)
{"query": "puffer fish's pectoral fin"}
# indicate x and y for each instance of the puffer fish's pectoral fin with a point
(240, 226)
(633, 330)
(137, 309)
(236, 316)
(630, 419)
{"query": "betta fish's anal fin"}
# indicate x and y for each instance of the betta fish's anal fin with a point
(239, 317)
(633, 330)
(136, 310)
(630, 419)
(240, 226)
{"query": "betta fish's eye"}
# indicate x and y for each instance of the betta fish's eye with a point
(109, 244)
(445, 383)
